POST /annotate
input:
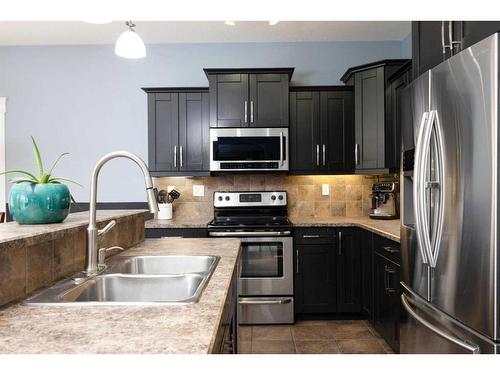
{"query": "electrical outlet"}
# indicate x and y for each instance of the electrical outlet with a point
(198, 190)
(325, 189)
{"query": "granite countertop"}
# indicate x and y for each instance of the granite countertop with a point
(176, 222)
(13, 231)
(190, 328)
(386, 228)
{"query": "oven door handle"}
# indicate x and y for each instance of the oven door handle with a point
(250, 234)
(264, 301)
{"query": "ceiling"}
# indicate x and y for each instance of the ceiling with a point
(64, 33)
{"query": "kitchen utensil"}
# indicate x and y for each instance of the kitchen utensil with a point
(173, 195)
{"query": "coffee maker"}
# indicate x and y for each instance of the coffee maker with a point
(385, 200)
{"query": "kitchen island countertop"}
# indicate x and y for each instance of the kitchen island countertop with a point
(182, 328)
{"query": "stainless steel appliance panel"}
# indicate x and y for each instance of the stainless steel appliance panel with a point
(415, 109)
(426, 330)
(464, 105)
(266, 266)
(265, 310)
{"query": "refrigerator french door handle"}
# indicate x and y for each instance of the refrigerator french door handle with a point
(440, 185)
(418, 176)
(457, 341)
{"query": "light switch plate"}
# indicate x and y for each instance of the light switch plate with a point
(325, 189)
(198, 190)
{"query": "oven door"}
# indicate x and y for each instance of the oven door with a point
(266, 266)
(243, 149)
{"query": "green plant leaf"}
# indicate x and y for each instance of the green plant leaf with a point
(22, 172)
(38, 158)
(44, 179)
(59, 179)
(57, 161)
(74, 201)
(17, 180)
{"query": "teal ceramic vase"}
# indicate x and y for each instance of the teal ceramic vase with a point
(39, 203)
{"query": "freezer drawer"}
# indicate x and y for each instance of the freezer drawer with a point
(426, 330)
(265, 310)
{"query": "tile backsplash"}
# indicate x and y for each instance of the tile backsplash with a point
(349, 194)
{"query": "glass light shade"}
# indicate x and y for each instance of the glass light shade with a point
(130, 46)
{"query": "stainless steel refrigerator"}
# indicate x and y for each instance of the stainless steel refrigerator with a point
(450, 209)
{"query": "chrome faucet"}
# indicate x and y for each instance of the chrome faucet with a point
(92, 261)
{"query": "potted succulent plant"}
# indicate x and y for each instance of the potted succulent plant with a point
(39, 200)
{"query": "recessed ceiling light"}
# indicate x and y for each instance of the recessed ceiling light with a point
(272, 23)
(130, 45)
(230, 23)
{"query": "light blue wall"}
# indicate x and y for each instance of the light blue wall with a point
(86, 100)
(406, 47)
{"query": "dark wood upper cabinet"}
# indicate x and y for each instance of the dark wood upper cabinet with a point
(435, 41)
(249, 97)
(374, 134)
(321, 130)
(178, 126)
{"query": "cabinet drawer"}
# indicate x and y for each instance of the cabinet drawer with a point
(315, 235)
(387, 248)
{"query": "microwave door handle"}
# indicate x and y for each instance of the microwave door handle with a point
(281, 149)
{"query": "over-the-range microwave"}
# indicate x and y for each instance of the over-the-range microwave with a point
(248, 149)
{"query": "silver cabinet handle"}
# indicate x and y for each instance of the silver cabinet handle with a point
(251, 111)
(340, 243)
(388, 271)
(246, 111)
(175, 156)
(324, 155)
(390, 249)
(281, 149)
(180, 156)
(317, 155)
(462, 343)
(453, 42)
(356, 153)
(264, 301)
(297, 261)
(442, 38)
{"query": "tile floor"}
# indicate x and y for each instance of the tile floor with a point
(313, 337)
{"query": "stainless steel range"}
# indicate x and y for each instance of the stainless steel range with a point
(260, 219)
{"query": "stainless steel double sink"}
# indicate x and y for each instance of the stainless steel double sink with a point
(135, 280)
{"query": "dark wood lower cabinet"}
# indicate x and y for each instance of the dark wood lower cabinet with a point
(386, 297)
(367, 274)
(327, 271)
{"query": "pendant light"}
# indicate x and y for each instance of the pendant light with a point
(130, 45)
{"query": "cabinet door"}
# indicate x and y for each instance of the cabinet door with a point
(304, 131)
(193, 131)
(386, 305)
(475, 31)
(367, 274)
(268, 106)
(393, 123)
(315, 279)
(337, 131)
(369, 119)
(163, 131)
(348, 271)
(229, 106)
(427, 45)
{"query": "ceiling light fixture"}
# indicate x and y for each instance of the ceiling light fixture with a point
(230, 23)
(272, 23)
(130, 45)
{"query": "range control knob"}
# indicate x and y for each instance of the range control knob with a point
(273, 197)
(227, 197)
(280, 197)
(220, 198)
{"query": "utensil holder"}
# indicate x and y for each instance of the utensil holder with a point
(165, 211)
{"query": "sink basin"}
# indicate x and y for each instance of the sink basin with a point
(133, 288)
(149, 280)
(155, 265)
